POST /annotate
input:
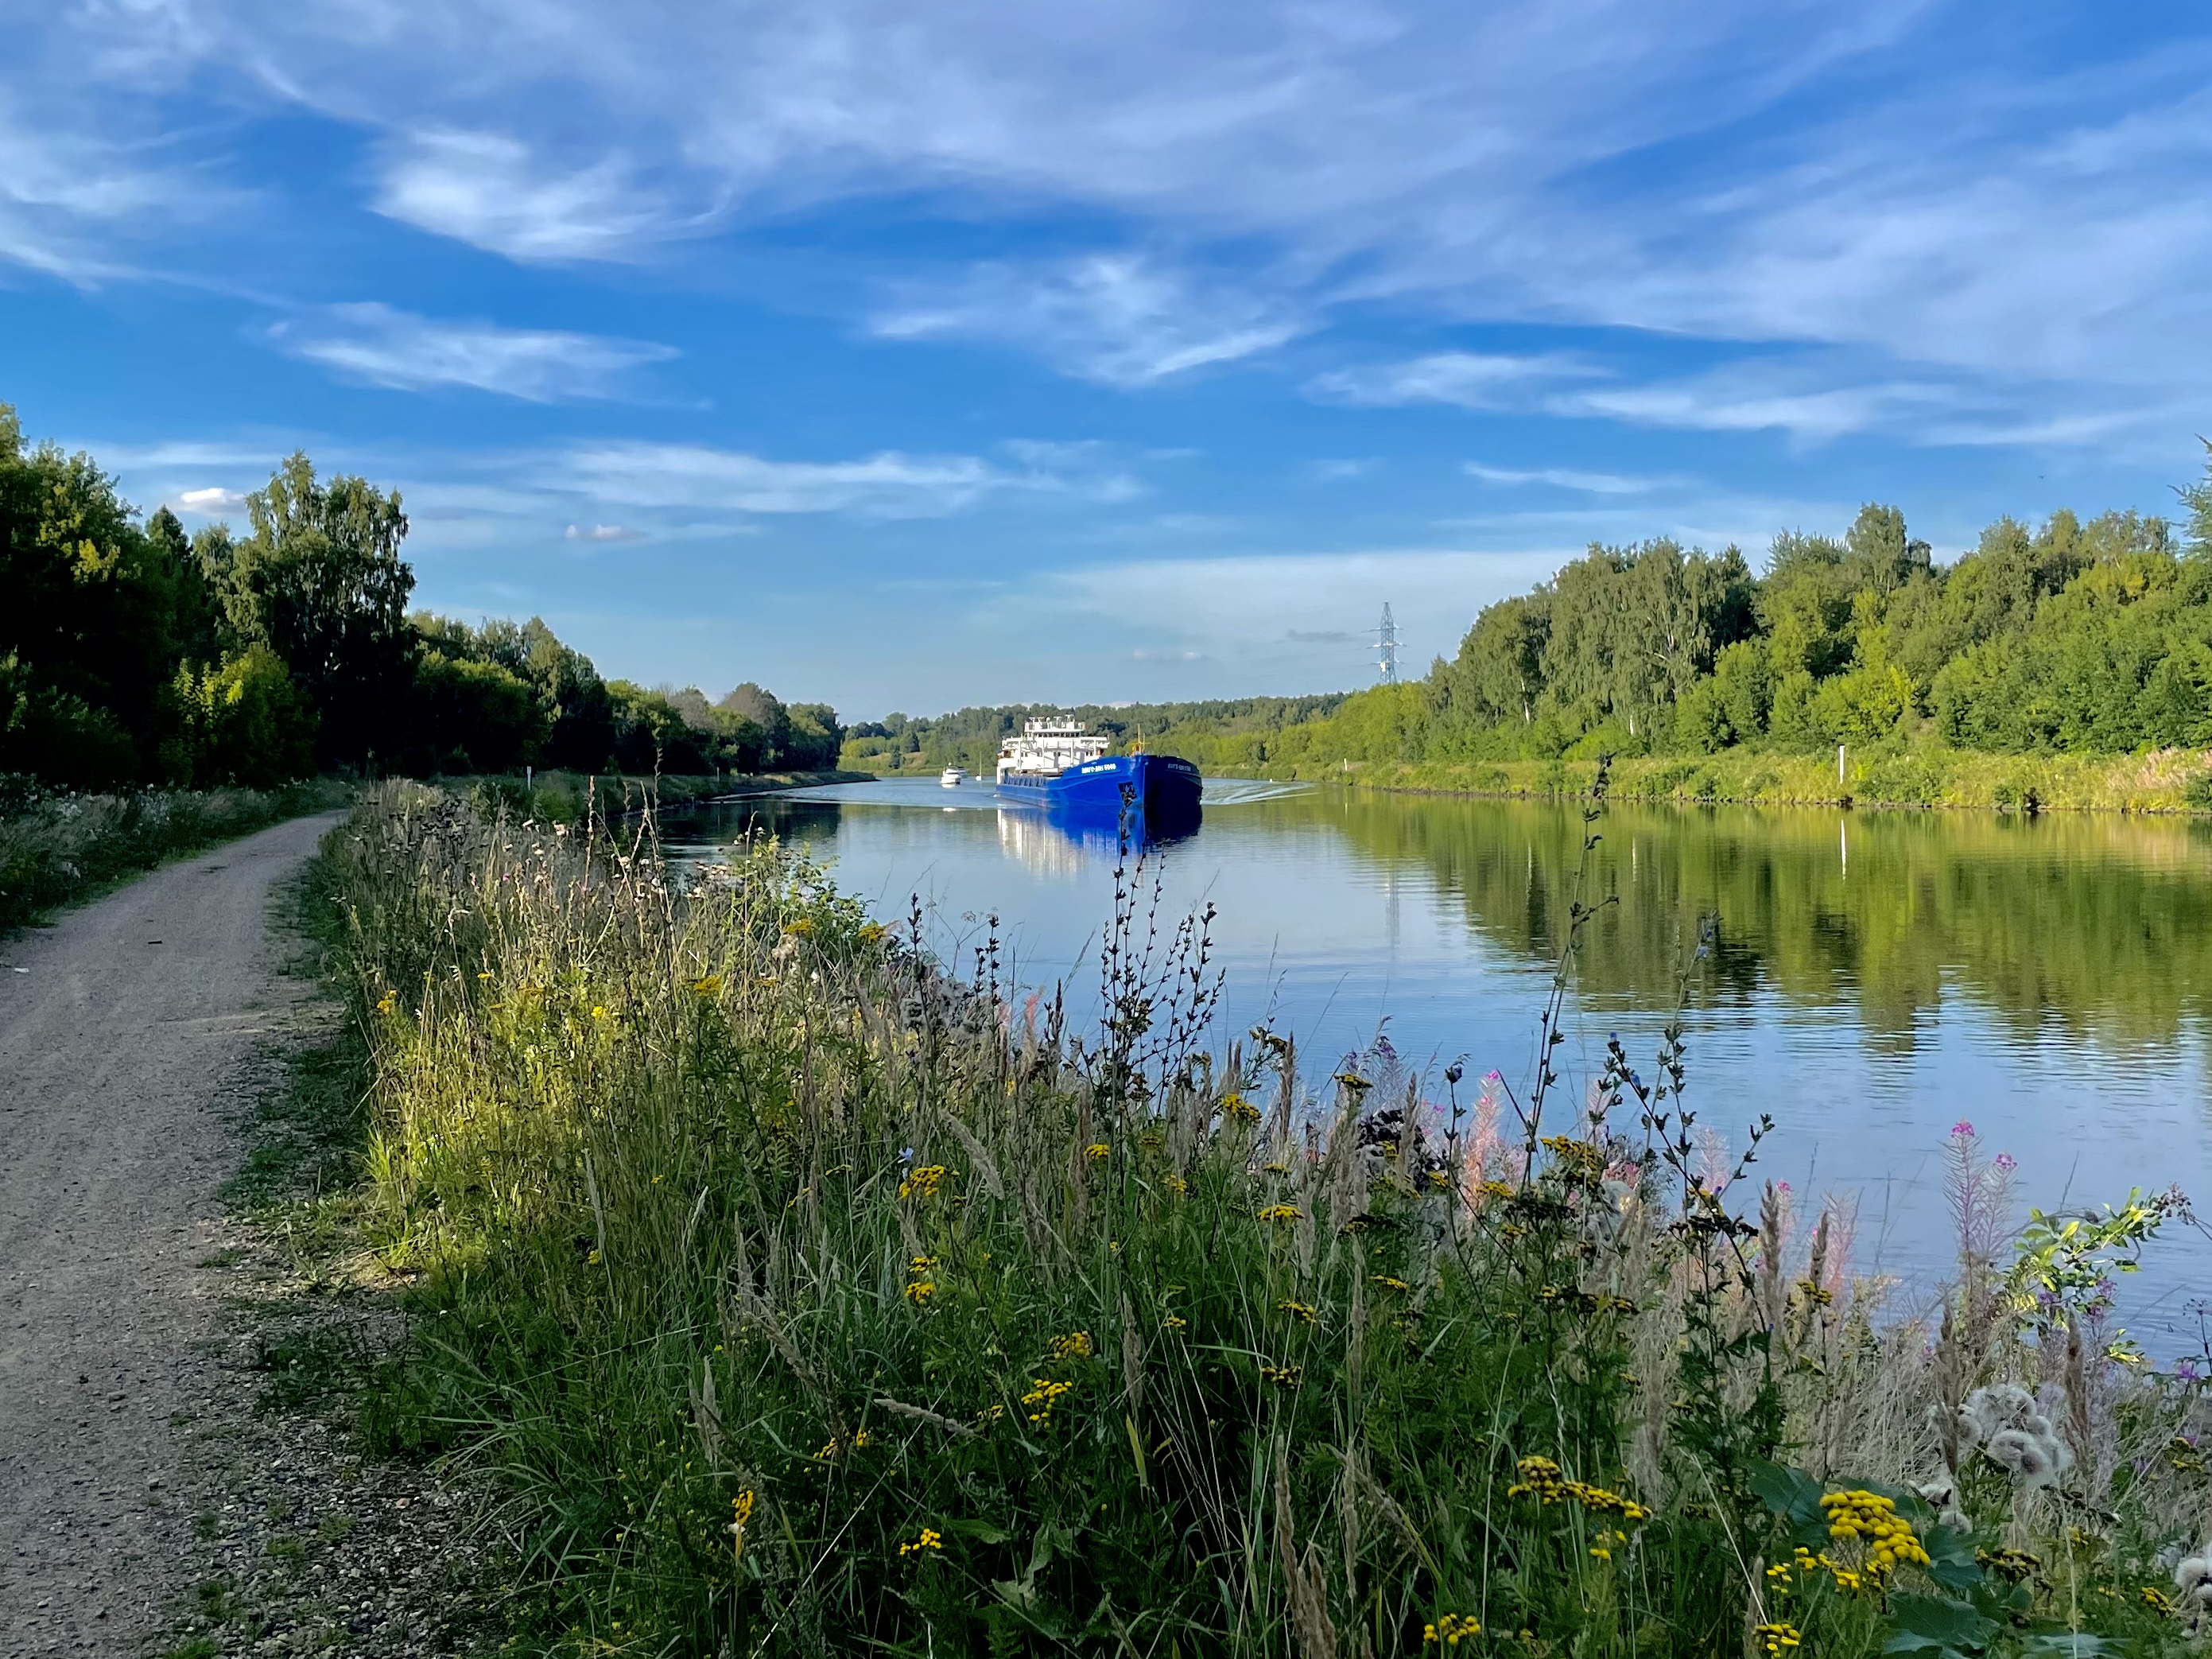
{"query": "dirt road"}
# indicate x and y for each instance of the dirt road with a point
(127, 1032)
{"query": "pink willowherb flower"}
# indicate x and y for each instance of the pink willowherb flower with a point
(2006, 1162)
(1962, 1128)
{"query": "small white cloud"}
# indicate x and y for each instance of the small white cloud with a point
(602, 532)
(1560, 478)
(1123, 319)
(398, 349)
(211, 501)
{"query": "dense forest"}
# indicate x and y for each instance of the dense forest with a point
(132, 652)
(2066, 637)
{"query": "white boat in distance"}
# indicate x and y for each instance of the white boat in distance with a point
(952, 777)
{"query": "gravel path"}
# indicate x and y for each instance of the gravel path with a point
(128, 1032)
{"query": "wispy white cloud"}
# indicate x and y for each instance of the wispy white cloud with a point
(1562, 477)
(68, 195)
(389, 348)
(1123, 319)
(1811, 399)
(1470, 380)
(496, 192)
(688, 480)
(601, 532)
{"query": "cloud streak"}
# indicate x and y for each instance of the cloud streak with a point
(384, 347)
(695, 481)
(1123, 320)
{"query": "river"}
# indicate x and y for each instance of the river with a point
(1873, 979)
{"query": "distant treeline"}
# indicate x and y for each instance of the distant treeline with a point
(970, 737)
(2066, 637)
(132, 652)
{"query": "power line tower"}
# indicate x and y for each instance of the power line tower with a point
(1386, 647)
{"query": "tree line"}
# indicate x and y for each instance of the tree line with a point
(2066, 636)
(133, 653)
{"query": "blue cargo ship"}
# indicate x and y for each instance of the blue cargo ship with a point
(1062, 765)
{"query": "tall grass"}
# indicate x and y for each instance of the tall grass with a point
(799, 1298)
(57, 847)
(1895, 775)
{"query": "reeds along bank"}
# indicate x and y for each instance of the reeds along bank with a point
(799, 1294)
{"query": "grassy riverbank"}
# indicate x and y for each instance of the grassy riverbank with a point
(59, 847)
(2169, 781)
(802, 1301)
(560, 797)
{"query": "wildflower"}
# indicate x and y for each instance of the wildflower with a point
(1096, 1150)
(2009, 1564)
(1287, 1376)
(1238, 1109)
(741, 1512)
(922, 1182)
(1175, 1322)
(1280, 1213)
(1044, 1393)
(1774, 1637)
(1543, 1480)
(921, 1264)
(1450, 1630)
(921, 1290)
(1575, 1160)
(1962, 1129)
(1076, 1344)
(597, 1012)
(1298, 1310)
(1497, 1189)
(1886, 1537)
(1388, 1283)
(799, 926)
(837, 1448)
(2156, 1599)
(928, 1540)
(1177, 1185)
(871, 932)
(709, 986)
(387, 1002)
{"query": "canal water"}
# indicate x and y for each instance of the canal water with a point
(1872, 979)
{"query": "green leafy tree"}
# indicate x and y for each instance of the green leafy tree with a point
(321, 583)
(244, 721)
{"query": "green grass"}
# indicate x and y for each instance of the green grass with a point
(2172, 780)
(802, 1301)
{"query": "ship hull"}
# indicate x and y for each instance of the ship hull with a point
(1165, 788)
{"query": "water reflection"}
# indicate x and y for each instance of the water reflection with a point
(1875, 977)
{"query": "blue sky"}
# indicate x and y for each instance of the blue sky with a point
(906, 356)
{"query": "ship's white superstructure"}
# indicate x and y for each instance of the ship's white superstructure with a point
(1045, 748)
